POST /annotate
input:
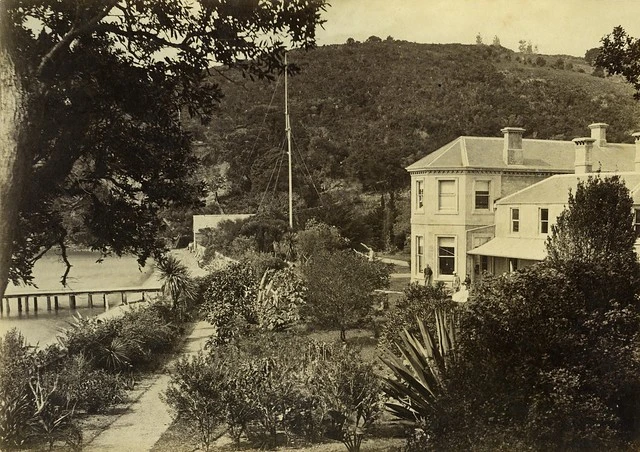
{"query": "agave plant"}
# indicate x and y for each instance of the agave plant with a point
(417, 382)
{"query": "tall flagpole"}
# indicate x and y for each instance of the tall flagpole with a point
(288, 129)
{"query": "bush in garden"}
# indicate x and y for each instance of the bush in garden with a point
(121, 344)
(94, 339)
(197, 392)
(272, 394)
(316, 238)
(53, 414)
(15, 410)
(418, 302)
(229, 299)
(280, 297)
(33, 404)
(537, 362)
(262, 262)
(146, 328)
(341, 289)
(351, 393)
(87, 388)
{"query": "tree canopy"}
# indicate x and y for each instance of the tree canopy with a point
(100, 87)
(593, 242)
(620, 54)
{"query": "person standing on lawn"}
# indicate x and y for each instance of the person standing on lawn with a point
(428, 274)
(456, 282)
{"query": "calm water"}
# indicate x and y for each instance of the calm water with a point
(42, 327)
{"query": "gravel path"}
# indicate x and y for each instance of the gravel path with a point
(142, 424)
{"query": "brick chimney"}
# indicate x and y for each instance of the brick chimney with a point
(584, 148)
(599, 133)
(512, 153)
(637, 159)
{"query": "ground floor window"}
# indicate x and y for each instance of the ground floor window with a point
(419, 253)
(446, 255)
(513, 265)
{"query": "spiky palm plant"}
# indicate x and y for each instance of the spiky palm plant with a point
(176, 279)
(417, 383)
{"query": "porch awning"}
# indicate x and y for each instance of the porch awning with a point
(512, 247)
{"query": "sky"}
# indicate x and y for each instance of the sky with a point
(568, 27)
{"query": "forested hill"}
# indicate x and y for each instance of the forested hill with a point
(362, 112)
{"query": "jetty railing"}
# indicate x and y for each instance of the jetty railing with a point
(27, 299)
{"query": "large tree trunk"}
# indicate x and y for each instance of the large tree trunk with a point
(13, 163)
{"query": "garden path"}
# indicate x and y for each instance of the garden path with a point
(142, 424)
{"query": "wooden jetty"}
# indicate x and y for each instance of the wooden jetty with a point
(27, 300)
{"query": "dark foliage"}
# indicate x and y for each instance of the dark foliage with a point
(619, 55)
(103, 129)
(340, 287)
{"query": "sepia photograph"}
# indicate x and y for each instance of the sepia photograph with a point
(320, 225)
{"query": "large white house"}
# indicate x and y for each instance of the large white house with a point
(456, 192)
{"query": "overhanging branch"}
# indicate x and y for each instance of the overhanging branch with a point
(72, 34)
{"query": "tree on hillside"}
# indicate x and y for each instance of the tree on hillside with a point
(522, 46)
(479, 39)
(591, 55)
(593, 241)
(340, 289)
(91, 96)
(619, 55)
(496, 41)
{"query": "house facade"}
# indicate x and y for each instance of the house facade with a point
(524, 219)
(456, 191)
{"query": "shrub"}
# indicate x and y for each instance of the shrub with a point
(88, 389)
(147, 329)
(418, 302)
(121, 344)
(341, 289)
(279, 300)
(197, 392)
(15, 410)
(559, 375)
(229, 301)
(262, 262)
(351, 393)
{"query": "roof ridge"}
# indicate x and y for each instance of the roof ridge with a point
(445, 150)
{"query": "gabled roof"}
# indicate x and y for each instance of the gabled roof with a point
(540, 155)
(555, 189)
